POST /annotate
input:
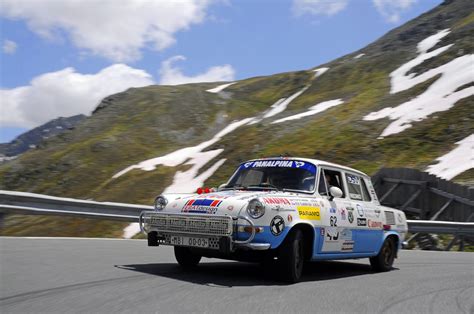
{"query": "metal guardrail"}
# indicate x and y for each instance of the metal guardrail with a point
(38, 204)
(451, 227)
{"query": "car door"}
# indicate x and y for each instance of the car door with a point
(367, 217)
(336, 234)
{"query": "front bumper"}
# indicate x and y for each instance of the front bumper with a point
(220, 231)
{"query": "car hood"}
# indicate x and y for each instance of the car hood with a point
(230, 202)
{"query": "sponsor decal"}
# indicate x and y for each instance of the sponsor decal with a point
(273, 163)
(322, 232)
(202, 206)
(350, 216)
(337, 240)
(346, 234)
(213, 196)
(277, 225)
(374, 224)
(362, 221)
(347, 246)
(309, 212)
(342, 212)
(332, 234)
(303, 202)
(333, 221)
(353, 179)
(299, 164)
(282, 163)
(360, 210)
(276, 201)
(332, 210)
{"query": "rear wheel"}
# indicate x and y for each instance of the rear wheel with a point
(384, 260)
(291, 257)
(185, 257)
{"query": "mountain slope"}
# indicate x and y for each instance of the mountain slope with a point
(33, 138)
(145, 140)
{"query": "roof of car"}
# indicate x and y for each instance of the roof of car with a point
(313, 161)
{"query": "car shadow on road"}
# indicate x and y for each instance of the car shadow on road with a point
(232, 274)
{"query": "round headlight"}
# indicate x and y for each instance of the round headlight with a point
(255, 209)
(160, 202)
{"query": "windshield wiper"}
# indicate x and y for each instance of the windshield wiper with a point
(264, 186)
(235, 187)
(296, 191)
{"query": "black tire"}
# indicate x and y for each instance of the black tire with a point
(185, 257)
(384, 260)
(291, 257)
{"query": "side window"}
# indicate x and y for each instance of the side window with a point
(334, 178)
(357, 188)
(365, 192)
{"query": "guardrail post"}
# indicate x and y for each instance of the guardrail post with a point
(461, 243)
(450, 244)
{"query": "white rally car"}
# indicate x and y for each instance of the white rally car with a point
(280, 210)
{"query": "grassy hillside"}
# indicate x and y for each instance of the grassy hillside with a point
(144, 123)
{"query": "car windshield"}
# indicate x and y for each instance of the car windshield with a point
(291, 175)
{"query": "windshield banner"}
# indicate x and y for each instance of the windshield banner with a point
(279, 164)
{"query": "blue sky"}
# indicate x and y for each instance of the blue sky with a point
(60, 58)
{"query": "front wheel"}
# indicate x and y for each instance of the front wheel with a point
(291, 257)
(185, 257)
(384, 260)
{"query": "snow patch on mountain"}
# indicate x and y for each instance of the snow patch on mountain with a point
(281, 105)
(320, 107)
(456, 161)
(219, 88)
(400, 81)
(320, 71)
(193, 154)
(440, 96)
(360, 55)
(278, 107)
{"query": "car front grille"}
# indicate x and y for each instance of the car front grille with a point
(190, 224)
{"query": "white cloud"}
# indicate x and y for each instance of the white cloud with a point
(391, 9)
(318, 7)
(117, 30)
(172, 75)
(65, 93)
(9, 47)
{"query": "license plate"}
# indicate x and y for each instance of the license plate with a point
(189, 241)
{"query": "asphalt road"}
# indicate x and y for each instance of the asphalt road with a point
(110, 276)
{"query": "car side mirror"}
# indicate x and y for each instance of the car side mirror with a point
(334, 191)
